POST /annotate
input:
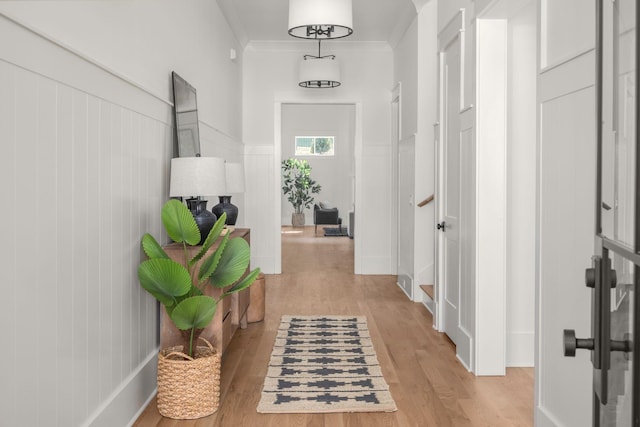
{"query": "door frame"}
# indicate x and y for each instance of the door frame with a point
(483, 346)
(277, 174)
(607, 247)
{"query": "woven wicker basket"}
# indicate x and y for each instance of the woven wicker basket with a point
(188, 388)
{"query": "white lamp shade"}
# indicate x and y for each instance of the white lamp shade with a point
(319, 72)
(307, 16)
(235, 177)
(197, 176)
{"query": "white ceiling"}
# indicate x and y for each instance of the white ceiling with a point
(266, 20)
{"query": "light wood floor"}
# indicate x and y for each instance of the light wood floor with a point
(429, 385)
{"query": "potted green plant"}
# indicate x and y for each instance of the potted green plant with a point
(299, 187)
(180, 288)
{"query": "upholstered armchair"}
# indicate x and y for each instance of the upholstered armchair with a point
(326, 216)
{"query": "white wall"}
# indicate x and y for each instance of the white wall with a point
(145, 40)
(85, 170)
(270, 78)
(334, 173)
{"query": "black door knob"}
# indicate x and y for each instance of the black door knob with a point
(441, 226)
(571, 343)
(590, 278)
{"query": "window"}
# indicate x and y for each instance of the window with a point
(315, 145)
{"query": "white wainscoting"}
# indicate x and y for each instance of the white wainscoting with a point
(261, 215)
(565, 221)
(83, 174)
(376, 234)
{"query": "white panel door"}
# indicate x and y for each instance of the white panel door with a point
(450, 176)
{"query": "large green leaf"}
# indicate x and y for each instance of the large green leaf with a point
(244, 283)
(195, 312)
(233, 263)
(210, 263)
(179, 223)
(165, 279)
(152, 248)
(211, 238)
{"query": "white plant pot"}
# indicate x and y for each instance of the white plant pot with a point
(297, 219)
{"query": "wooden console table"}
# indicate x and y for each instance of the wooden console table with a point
(230, 315)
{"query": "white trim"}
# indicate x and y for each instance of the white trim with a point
(490, 197)
(542, 418)
(277, 201)
(566, 59)
(439, 208)
(218, 131)
(277, 154)
(401, 286)
(395, 142)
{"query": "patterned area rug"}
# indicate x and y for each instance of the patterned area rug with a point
(324, 364)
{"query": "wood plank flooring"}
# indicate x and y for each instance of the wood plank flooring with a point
(429, 385)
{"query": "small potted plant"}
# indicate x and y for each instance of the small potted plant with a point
(190, 372)
(299, 187)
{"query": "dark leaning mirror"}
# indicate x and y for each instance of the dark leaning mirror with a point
(186, 116)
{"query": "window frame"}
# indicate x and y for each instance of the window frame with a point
(332, 152)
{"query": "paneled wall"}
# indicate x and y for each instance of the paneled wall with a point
(86, 129)
(82, 178)
(565, 216)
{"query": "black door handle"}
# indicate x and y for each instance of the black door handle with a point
(571, 343)
(441, 226)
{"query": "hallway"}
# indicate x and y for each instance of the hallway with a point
(430, 387)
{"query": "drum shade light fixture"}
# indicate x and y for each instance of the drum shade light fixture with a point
(319, 71)
(320, 19)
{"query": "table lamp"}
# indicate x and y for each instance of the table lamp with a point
(193, 178)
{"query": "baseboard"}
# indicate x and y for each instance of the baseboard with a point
(405, 282)
(464, 349)
(125, 404)
(429, 305)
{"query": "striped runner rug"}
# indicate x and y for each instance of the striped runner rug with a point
(324, 364)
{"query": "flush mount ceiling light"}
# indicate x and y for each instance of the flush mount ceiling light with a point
(319, 71)
(320, 19)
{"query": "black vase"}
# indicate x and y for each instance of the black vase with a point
(203, 217)
(226, 206)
